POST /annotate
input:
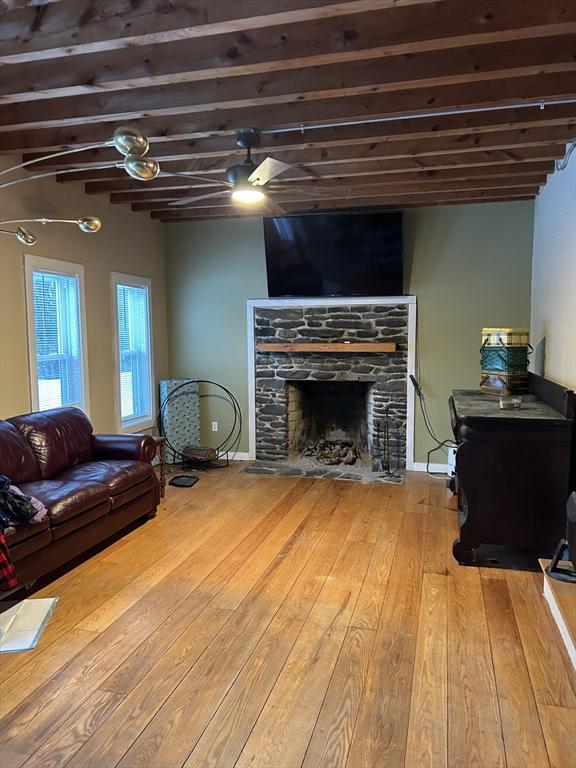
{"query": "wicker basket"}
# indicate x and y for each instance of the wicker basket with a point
(508, 337)
(505, 359)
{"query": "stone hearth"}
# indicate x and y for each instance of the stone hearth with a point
(301, 397)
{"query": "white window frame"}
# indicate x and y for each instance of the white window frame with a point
(33, 263)
(136, 281)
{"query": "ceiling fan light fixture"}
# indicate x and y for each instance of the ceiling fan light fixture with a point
(130, 141)
(249, 195)
(141, 168)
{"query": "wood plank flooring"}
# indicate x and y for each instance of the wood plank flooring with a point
(281, 622)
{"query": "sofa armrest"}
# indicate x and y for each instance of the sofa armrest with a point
(136, 447)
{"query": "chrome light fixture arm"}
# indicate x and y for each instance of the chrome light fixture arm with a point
(47, 174)
(128, 140)
(89, 224)
(139, 168)
(101, 145)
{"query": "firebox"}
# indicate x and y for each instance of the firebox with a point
(327, 420)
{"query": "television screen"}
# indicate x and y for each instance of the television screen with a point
(335, 254)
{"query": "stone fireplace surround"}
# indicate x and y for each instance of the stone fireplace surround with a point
(277, 380)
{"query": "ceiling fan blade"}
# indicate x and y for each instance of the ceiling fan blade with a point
(187, 200)
(268, 170)
(207, 179)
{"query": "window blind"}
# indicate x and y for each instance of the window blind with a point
(58, 338)
(133, 317)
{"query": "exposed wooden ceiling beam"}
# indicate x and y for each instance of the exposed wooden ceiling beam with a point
(490, 168)
(471, 95)
(333, 41)
(179, 187)
(332, 205)
(356, 195)
(226, 206)
(78, 27)
(398, 206)
(360, 152)
(463, 126)
(359, 166)
(449, 68)
(327, 188)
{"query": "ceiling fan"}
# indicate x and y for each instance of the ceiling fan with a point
(248, 182)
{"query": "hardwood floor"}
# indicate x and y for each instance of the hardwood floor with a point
(268, 621)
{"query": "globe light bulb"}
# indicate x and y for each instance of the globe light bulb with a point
(25, 237)
(90, 224)
(130, 141)
(141, 168)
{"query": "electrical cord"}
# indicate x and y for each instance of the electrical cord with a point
(440, 444)
(231, 441)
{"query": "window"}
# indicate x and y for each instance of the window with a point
(131, 296)
(57, 345)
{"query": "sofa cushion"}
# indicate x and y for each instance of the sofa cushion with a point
(129, 495)
(65, 499)
(25, 539)
(59, 438)
(17, 460)
(117, 475)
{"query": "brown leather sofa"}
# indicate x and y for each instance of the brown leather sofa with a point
(92, 485)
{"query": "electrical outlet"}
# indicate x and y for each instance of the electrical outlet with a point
(214, 426)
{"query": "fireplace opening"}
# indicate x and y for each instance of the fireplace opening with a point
(328, 421)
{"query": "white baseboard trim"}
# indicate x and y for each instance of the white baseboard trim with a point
(240, 456)
(420, 466)
(559, 619)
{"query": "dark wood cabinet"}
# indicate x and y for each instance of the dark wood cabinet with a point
(514, 469)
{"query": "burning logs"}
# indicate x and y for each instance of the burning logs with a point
(332, 451)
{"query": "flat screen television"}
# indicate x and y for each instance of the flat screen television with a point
(335, 254)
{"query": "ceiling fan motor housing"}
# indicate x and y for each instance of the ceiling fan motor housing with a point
(238, 174)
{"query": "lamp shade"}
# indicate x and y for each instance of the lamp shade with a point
(141, 168)
(25, 237)
(89, 224)
(130, 141)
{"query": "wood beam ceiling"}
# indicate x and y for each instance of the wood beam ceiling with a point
(192, 77)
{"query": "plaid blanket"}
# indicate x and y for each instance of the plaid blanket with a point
(7, 573)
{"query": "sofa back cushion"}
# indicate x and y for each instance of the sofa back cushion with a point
(16, 458)
(59, 438)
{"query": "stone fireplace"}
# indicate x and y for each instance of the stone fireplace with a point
(329, 381)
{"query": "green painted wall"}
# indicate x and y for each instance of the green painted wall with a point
(214, 267)
(468, 265)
